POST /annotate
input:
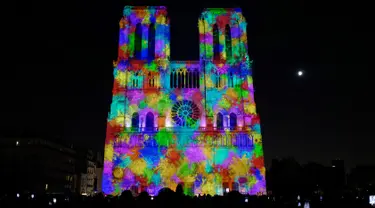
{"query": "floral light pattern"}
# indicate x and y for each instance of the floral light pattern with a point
(146, 148)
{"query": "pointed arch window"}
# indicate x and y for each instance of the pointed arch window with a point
(190, 74)
(149, 121)
(171, 82)
(184, 79)
(233, 121)
(228, 42)
(135, 121)
(138, 41)
(137, 80)
(218, 80)
(133, 82)
(175, 79)
(179, 80)
(183, 84)
(216, 42)
(193, 80)
(219, 121)
(230, 80)
(196, 79)
(151, 80)
(151, 41)
(187, 79)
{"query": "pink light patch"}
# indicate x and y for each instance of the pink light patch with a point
(176, 179)
(123, 151)
(195, 154)
(128, 175)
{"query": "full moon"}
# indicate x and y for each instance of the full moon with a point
(300, 73)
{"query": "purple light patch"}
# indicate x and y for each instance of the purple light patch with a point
(195, 154)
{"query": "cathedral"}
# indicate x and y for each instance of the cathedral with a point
(173, 122)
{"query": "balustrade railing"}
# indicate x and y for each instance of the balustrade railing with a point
(184, 129)
(201, 137)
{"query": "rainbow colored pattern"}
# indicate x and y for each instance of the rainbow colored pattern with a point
(189, 122)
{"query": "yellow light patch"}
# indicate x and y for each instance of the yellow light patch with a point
(250, 109)
(240, 166)
(166, 169)
(108, 152)
(209, 188)
(118, 173)
(138, 166)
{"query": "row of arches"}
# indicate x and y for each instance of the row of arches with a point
(232, 121)
(138, 41)
(192, 187)
(188, 79)
(151, 41)
(221, 140)
(216, 42)
(137, 81)
(220, 81)
(149, 121)
(219, 121)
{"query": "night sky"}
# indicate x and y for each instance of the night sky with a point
(59, 78)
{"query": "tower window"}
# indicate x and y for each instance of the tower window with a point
(138, 41)
(228, 42)
(151, 41)
(216, 42)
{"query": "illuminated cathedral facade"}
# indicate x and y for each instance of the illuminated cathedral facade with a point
(183, 122)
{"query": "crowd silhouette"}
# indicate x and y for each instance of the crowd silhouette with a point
(168, 199)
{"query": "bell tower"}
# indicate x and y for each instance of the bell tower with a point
(223, 54)
(222, 34)
(144, 33)
(143, 59)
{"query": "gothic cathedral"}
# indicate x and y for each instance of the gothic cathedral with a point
(192, 123)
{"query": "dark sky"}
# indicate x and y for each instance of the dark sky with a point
(59, 78)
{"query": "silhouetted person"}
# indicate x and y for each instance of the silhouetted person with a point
(166, 198)
(179, 189)
(126, 198)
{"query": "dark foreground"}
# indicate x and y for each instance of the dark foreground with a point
(171, 199)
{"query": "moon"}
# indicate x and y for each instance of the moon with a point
(300, 73)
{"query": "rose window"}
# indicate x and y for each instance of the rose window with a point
(185, 113)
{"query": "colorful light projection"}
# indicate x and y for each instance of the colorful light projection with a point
(191, 122)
